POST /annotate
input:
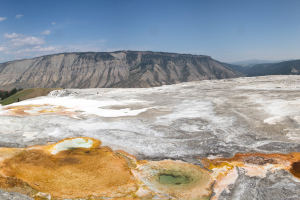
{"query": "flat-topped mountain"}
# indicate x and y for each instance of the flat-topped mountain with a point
(116, 69)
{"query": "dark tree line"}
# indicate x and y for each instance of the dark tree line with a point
(6, 94)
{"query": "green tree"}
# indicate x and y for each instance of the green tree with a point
(14, 91)
(5, 95)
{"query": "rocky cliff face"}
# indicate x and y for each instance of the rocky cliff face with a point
(117, 69)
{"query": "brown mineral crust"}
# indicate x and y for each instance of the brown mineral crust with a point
(8, 182)
(97, 172)
(295, 167)
(295, 155)
(21, 110)
(128, 198)
(250, 158)
(125, 153)
(73, 173)
(259, 160)
(131, 160)
(12, 184)
(292, 159)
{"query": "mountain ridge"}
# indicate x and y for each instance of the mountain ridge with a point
(111, 69)
(252, 62)
(291, 67)
(283, 68)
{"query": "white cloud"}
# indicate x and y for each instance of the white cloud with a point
(19, 40)
(24, 41)
(53, 23)
(14, 35)
(25, 46)
(38, 48)
(20, 46)
(19, 16)
(47, 32)
(21, 51)
(35, 49)
(2, 19)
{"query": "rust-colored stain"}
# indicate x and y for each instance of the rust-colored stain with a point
(12, 184)
(37, 110)
(72, 173)
(81, 168)
(295, 167)
(258, 159)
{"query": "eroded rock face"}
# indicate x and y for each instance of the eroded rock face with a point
(118, 69)
(238, 137)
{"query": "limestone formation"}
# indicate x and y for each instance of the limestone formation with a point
(213, 139)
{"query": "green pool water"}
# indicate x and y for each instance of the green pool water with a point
(174, 180)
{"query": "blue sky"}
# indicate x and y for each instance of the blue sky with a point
(226, 30)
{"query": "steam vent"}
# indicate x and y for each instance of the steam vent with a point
(213, 139)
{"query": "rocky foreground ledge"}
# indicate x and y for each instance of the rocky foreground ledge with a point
(217, 139)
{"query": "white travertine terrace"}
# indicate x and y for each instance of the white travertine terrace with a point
(174, 120)
(86, 106)
(207, 119)
(72, 143)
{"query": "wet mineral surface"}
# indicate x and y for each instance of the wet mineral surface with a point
(216, 139)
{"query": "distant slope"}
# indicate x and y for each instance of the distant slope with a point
(283, 68)
(116, 69)
(238, 68)
(27, 94)
(250, 63)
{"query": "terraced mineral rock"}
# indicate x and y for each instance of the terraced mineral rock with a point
(216, 139)
(80, 168)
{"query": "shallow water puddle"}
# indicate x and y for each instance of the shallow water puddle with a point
(174, 180)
